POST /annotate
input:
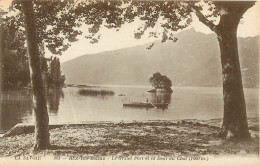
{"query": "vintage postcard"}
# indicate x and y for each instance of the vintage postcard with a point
(132, 82)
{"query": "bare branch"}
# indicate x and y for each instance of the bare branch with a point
(202, 18)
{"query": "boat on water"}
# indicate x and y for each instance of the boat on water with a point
(146, 105)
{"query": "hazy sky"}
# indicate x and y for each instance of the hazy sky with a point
(111, 40)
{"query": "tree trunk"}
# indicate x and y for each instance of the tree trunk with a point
(235, 118)
(2, 49)
(39, 100)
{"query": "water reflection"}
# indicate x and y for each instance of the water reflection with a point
(161, 97)
(96, 92)
(53, 99)
(67, 105)
(15, 108)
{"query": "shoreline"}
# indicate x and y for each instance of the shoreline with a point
(26, 128)
(179, 137)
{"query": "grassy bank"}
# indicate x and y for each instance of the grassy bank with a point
(135, 138)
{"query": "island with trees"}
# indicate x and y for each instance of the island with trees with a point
(161, 83)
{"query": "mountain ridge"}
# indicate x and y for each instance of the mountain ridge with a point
(183, 61)
(146, 44)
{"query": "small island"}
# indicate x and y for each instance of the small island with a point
(161, 83)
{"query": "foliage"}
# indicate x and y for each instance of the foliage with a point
(55, 22)
(160, 81)
(113, 14)
(58, 21)
(14, 64)
(50, 19)
(54, 77)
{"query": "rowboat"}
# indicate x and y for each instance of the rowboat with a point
(146, 105)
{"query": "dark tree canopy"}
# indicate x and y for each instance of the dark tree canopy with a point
(170, 15)
(55, 22)
(14, 62)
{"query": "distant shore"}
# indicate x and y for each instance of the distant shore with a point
(184, 137)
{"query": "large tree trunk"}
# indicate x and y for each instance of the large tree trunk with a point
(235, 118)
(39, 100)
(2, 49)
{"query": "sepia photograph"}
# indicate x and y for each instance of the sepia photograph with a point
(133, 82)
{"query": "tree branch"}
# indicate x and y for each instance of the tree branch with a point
(202, 18)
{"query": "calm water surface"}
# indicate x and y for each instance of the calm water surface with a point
(66, 105)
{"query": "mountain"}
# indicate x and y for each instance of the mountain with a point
(194, 60)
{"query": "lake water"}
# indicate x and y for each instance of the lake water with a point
(66, 105)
